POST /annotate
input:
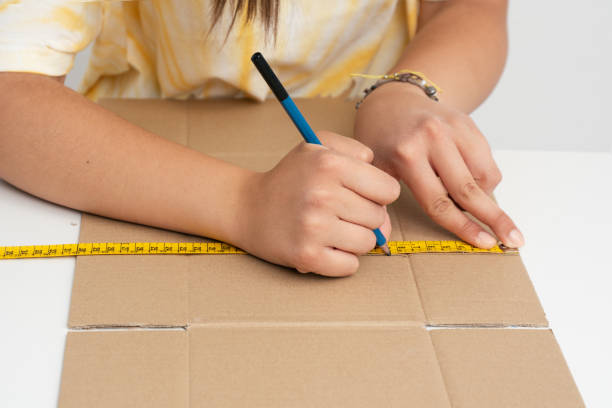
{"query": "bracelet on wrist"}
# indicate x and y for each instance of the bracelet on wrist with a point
(411, 77)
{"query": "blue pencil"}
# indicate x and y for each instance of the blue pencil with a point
(300, 122)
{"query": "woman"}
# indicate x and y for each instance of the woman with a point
(331, 198)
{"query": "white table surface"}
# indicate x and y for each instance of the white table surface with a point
(552, 196)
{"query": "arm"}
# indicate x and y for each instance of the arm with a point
(314, 211)
(434, 147)
(57, 145)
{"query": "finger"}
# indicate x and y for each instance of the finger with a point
(346, 145)
(340, 263)
(351, 238)
(351, 207)
(476, 153)
(462, 187)
(431, 194)
(329, 261)
(370, 182)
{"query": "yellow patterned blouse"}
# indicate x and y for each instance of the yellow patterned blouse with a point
(164, 48)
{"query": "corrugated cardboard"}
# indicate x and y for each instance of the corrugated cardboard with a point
(428, 330)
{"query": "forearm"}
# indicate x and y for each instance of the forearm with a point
(461, 45)
(59, 146)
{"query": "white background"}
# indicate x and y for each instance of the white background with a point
(555, 93)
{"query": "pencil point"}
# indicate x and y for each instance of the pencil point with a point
(386, 250)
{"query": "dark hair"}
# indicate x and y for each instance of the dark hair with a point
(264, 10)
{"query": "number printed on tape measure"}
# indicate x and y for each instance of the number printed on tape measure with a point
(218, 248)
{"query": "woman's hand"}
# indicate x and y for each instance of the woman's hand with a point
(416, 139)
(316, 209)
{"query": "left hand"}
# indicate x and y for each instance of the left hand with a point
(416, 139)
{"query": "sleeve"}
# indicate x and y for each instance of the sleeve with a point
(43, 36)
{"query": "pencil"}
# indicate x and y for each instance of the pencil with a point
(298, 119)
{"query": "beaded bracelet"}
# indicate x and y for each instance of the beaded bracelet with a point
(411, 77)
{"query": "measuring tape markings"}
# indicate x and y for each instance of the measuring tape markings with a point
(213, 248)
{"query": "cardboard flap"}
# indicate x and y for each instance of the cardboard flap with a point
(119, 290)
(161, 290)
(244, 288)
(125, 369)
(314, 367)
(476, 289)
(504, 368)
(127, 290)
(466, 289)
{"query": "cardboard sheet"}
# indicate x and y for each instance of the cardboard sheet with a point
(244, 332)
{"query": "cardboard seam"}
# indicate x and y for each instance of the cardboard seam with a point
(84, 329)
(383, 324)
(188, 312)
(486, 326)
(414, 279)
(330, 324)
(444, 381)
(188, 358)
(428, 327)
(188, 109)
(418, 288)
(125, 327)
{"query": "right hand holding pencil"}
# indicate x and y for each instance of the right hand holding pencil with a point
(316, 209)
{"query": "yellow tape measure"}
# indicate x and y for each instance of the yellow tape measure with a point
(203, 248)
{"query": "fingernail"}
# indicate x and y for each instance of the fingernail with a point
(485, 240)
(515, 239)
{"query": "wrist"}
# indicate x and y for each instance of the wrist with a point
(241, 207)
(226, 198)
